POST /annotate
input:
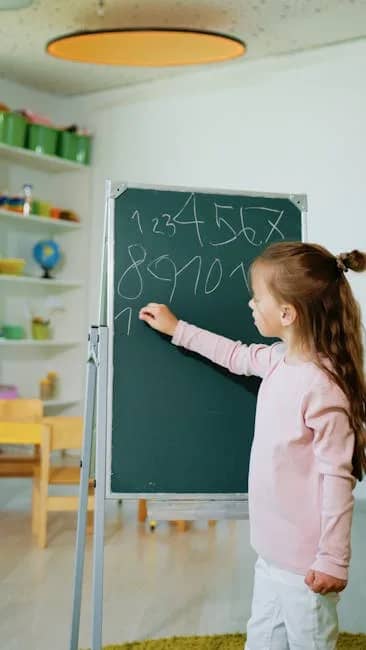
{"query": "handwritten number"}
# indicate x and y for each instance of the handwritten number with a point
(168, 224)
(129, 318)
(156, 221)
(241, 266)
(247, 229)
(136, 262)
(220, 221)
(191, 199)
(216, 261)
(173, 278)
(199, 258)
(136, 215)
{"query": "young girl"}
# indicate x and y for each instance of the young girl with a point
(309, 442)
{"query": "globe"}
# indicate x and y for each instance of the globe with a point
(47, 254)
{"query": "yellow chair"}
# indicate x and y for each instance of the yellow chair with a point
(15, 416)
(61, 433)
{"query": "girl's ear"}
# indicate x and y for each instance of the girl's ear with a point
(288, 315)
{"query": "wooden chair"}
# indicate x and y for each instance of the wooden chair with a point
(14, 412)
(62, 433)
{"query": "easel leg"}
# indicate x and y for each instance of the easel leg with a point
(100, 487)
(90, 509)
(83, 491)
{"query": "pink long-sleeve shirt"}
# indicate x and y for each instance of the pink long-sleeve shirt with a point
(300, 475)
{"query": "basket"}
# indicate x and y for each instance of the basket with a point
(13, 129)
(42, 139)
(12, 266)
(73, 146)
(3, 115)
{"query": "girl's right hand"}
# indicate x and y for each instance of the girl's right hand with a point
(159, 317)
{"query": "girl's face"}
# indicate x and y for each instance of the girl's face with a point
(267, 313)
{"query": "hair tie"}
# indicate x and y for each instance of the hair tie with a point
(340, 264)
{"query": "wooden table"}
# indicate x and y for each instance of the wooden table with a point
(20, 434)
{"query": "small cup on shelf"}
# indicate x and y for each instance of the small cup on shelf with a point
(40, 329)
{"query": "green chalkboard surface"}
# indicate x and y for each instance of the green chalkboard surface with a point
(179, 424)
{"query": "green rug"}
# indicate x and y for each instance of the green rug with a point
(222, 642)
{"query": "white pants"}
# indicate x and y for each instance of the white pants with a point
(287, 615)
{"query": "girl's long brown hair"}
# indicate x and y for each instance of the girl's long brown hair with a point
(328, 322)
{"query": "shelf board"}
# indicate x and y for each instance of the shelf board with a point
(33, 343)
(40, 282)
(14, 218)
(40, 161)
(59, 403)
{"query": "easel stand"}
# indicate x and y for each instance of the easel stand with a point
(96, 395)
(163, 509)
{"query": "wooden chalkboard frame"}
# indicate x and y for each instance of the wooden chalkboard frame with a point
(166, 506)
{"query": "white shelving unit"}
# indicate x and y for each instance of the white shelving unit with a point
(32, 343)
(26, 361)
(33, 221)
(37, 282)
(52, 405)
(29, 158)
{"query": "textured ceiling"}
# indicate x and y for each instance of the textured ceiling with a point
(268, 27)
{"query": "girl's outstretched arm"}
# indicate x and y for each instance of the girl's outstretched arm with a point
(237, 357)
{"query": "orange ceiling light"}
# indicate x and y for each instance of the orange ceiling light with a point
(148, 47)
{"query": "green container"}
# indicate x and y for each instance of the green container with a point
(13, 129)
(13, 332)
(74, 147)
(2, 125)
(83, 149)
(66, 146)
(42, 139)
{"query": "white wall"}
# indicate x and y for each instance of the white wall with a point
(18, 97)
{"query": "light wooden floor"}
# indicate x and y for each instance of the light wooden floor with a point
(156, 584)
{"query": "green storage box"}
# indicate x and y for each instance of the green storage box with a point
(74, 147)
(2, 125)
(42, 139)
(14, 332)
(13, 127)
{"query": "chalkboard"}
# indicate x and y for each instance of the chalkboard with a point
(179, 424)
